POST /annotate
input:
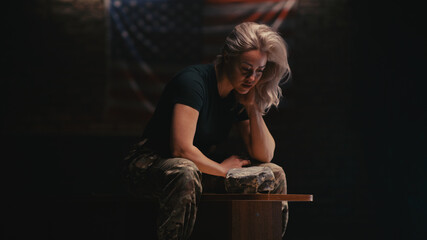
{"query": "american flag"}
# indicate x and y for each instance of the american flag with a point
(150, 40)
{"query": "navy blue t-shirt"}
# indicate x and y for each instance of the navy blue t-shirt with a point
(195, 86)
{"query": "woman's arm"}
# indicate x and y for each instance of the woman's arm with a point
(258, 139)
(184, 122)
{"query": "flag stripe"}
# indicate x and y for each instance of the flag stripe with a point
(227, 2)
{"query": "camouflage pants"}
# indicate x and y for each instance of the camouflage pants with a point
(176, 184)
(214, 184)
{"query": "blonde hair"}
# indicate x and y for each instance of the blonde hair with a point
(253, 36)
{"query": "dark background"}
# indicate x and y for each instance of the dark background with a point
(351, 130)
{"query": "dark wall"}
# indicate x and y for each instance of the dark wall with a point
(55, 66)
(352, 129)
(391, 115)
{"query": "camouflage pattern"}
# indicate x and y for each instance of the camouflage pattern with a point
(176, 184)
(280, 187)
(250, 180)
(214, 184)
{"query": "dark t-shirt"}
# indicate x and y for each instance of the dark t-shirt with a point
(195, 86)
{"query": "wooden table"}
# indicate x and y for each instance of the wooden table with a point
(242, 216)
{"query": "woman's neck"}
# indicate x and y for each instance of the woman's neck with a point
(223, 83)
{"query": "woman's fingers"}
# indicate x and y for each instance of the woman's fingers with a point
(235, 161)
(245, 162)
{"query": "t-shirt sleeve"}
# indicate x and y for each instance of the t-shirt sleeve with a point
(188, 89)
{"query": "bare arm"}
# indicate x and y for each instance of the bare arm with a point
(258, 139)
(184, 122)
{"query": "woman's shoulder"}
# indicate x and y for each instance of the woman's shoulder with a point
(195, 73)
(198, 69)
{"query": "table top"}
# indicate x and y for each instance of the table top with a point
(205, 197)
(257, 197)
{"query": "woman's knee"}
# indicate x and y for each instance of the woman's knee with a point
(277, 170)
(279, 175)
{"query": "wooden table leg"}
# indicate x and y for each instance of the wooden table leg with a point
(256, 220)
(239, 220)
(242, 216)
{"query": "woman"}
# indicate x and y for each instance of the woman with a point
(198, 108)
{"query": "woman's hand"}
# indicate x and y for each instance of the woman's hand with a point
(247, 99)
(234, 162)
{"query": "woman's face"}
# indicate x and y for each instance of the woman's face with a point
(245, 70)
